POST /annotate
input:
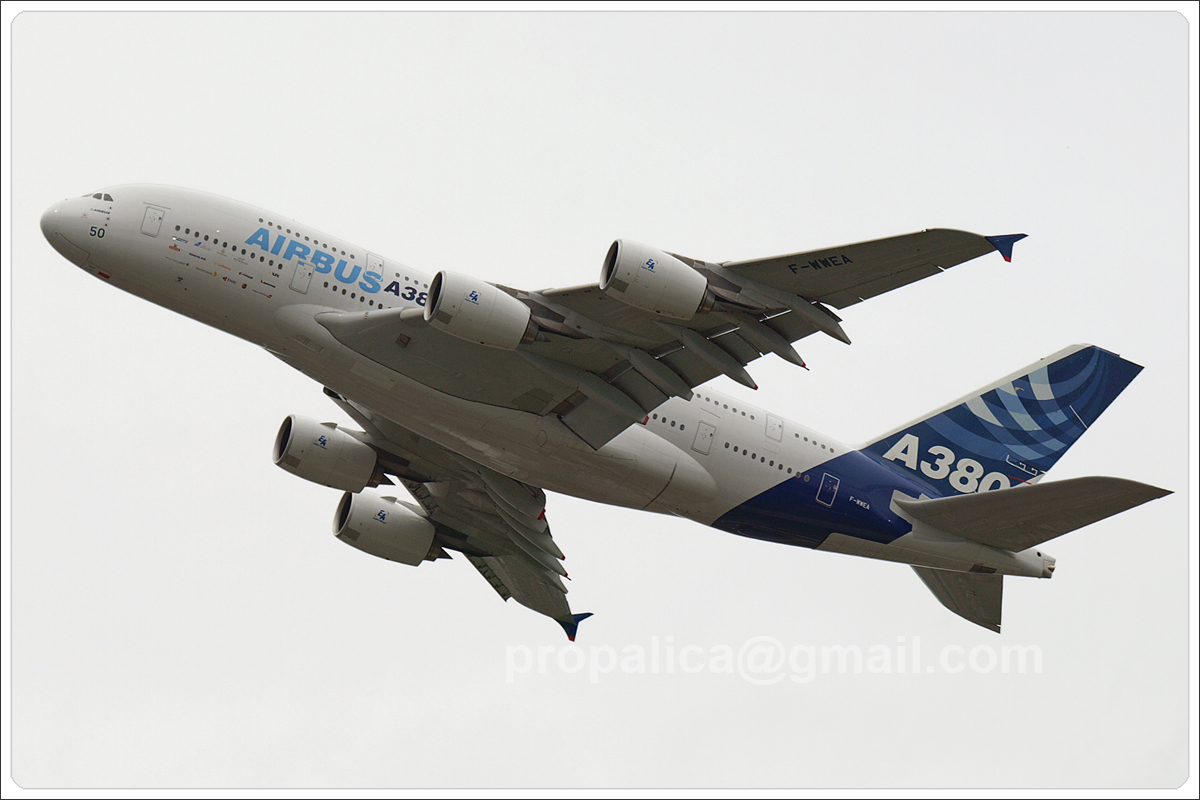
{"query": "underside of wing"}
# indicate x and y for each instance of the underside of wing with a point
(843, 276)
(498, 523)
(601, 357)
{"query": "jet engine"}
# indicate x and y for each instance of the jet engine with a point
(653, 281)
(323, 453)
(478, 311)
(383, 527)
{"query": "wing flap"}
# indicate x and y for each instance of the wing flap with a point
(596, 424)
(515, 578)
(878, 286)
(1023, 517)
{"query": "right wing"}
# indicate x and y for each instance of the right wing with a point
(498, 523)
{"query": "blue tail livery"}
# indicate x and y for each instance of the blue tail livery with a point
(1012, 431)
(950, 493)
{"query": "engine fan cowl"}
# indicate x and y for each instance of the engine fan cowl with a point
(478, 311)
(383, 527)
(653, 281)
(323, 453)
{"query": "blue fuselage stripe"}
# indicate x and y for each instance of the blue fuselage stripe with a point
(804, 509)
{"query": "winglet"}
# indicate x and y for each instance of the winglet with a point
(1004, 243)
(573, 625)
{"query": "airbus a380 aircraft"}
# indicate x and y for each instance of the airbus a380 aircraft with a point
(478, 397)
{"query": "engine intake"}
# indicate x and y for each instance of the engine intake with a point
(478, 311)
(323, 453)
(383, 527)
(653, 281)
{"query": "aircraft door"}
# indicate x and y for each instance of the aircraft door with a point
(375, 264)
(828, 490)
(304, 273)
(152, 222)
(704, 438)
(774, 428)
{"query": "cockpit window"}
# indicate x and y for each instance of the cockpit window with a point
(100, 196)
(108, 197)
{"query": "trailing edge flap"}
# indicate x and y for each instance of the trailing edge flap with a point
(1019, 518)
(596, 425)
(513, 577)
(976, 598)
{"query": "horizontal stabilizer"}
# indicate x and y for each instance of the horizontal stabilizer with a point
(975, 598)
(1020, 518)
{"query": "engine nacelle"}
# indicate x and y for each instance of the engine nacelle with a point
(653, 281)
(323, 453)
(477, 311)
(383, 527)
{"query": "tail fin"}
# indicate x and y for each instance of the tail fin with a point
(1012, 431)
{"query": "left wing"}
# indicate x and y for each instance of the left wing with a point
(600, 361)
(498, 523)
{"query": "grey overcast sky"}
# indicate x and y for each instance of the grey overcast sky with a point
(181, 615)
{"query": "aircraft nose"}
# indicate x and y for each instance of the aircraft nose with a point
(50, 222)
(55, 224)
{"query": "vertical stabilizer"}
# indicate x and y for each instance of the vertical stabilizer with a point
(1012, 431)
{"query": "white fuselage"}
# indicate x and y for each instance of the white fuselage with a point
(208, 258)
(216, 278)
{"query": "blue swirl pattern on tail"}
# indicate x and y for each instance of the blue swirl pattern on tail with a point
(1017, 428)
